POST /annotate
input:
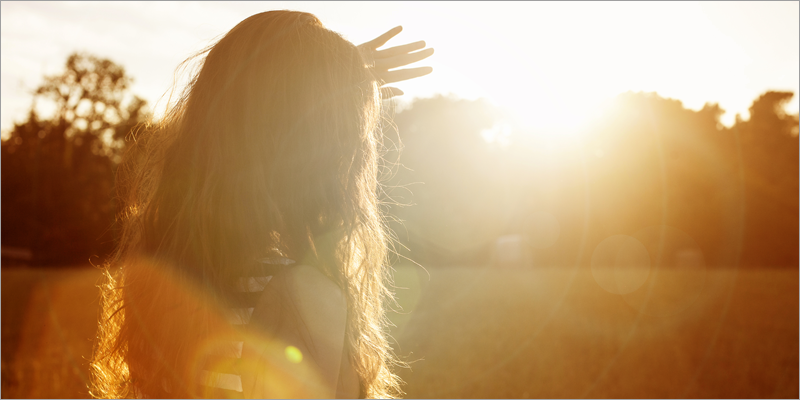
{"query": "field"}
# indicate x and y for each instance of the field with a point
(48, 322)
(489, 333)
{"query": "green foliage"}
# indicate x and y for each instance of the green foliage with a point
(58, 170)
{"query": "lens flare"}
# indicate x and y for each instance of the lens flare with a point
(679, 273)
(620, 264)
(293, 354)
(544, 230)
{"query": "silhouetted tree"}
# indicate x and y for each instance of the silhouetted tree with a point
(647, 161)
(769, 151)
(663, 164)
(58, 170)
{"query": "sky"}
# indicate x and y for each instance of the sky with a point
(549, 63)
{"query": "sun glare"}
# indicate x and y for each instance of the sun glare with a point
(554, 64)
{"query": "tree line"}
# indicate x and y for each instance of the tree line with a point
(646, 161)
(459, 175)
(58, 170)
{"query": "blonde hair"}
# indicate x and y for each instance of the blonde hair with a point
(272, 149)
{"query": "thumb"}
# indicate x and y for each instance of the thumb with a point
(388, 92)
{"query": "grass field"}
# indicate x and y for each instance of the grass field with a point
(48, 322)
(487, 333)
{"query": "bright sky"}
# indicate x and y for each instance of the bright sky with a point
(551, 63)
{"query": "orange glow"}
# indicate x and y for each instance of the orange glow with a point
(583, 216)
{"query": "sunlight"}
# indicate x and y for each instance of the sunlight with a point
(553, 64)
(500, 133)
(554, 211)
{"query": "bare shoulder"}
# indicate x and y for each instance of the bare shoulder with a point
(322, 307)
(312, 285)
(321, 304)
(319, 301)
(313, 321)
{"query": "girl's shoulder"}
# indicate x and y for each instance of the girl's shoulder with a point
(304, 282)
(313, 323)
(309, 284)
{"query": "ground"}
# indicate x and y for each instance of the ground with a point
(492, 333)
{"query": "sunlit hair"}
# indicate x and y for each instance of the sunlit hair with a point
(272, 149)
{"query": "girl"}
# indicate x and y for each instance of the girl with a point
(253, 256)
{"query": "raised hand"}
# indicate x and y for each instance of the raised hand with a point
(382, 61)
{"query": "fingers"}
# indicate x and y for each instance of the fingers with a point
(398, 50)
(394, 57)
(404, 74)
(389, 92)
(402, 60)
(382, 39)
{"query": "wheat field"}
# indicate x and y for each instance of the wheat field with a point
(492, 333)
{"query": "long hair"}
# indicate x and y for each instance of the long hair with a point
(272, 149)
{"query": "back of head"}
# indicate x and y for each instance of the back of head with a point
(274, 134)
(271, 150)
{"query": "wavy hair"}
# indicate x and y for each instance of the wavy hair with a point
(272, 149)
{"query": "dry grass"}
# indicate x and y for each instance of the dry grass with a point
(554, 334)
(492, 333)
(48, 318)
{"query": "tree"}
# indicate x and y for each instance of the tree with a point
(58, 169)
(769, 151)
(647, 161)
